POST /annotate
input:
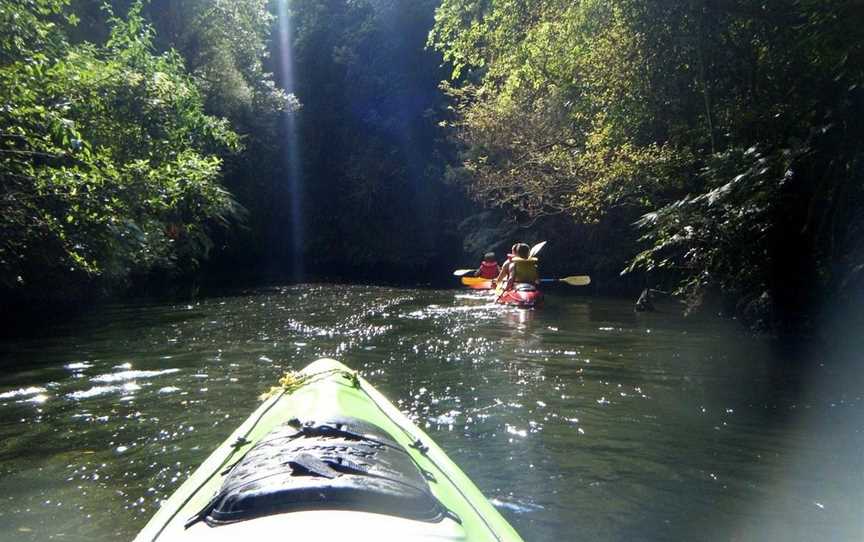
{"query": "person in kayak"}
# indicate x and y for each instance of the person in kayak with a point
(521, 268)
(489, 267)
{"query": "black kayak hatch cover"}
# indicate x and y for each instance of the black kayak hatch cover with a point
(340, 464)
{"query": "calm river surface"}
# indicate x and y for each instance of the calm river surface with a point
(579, 421)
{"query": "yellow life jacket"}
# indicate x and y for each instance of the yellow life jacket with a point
(525, 269)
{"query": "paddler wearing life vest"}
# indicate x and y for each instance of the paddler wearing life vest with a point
(489, 267)
(520, 267)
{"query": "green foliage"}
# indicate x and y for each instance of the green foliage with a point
(558, 118)
(710, 235)
(224, 45)
(774, 222)
(108, 163)
(728, 123)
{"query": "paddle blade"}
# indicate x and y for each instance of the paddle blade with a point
(477, 283)
(500, 288)
(536, 249)
(462, 272)
(577, 280)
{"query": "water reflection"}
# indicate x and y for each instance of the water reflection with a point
(631, 426)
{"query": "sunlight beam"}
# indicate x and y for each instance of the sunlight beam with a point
(291, 156)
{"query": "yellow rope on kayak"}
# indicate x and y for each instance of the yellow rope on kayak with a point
(293, 381)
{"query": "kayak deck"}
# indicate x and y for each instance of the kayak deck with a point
(327, 390)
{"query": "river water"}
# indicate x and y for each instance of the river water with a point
(580, 421)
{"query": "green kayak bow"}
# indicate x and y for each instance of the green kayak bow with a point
(327, 457)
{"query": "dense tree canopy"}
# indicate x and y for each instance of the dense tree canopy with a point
(730, 126)
(109, 164)
(708, 145)
(172, 125)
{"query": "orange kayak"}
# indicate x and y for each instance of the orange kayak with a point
(478, 283)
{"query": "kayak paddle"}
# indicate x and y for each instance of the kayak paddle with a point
(536, 249)
(462, 272)
(576, 280)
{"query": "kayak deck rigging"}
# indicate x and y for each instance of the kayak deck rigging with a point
(344, 464)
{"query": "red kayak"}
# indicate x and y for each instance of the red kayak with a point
(522, 295)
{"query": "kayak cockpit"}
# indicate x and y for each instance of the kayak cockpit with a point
(523, 295)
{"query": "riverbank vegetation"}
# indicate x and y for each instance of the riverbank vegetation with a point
(110, 161)
(728, 132)
(710, 147)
